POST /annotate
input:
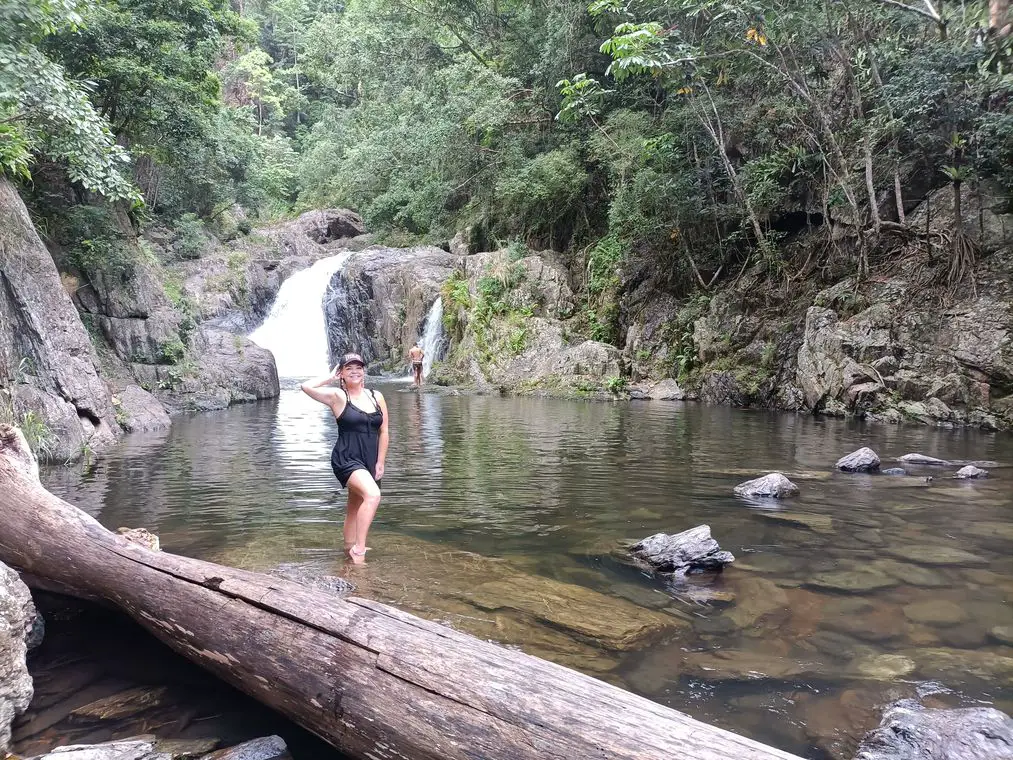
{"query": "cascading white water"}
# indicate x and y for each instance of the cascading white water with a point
(432, 340)
(296, 331)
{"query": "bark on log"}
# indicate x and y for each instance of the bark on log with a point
(373, 681)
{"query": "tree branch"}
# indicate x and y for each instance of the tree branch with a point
(931, 13)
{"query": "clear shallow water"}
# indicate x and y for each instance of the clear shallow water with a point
(501, 515)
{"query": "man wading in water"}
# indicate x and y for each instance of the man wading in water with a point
(415, 356)
(358, 456)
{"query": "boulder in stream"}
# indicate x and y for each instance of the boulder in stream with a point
(908, 731)
(691, 550)
(774, 485)
(922, 459)
(863, 460)
(970, 472)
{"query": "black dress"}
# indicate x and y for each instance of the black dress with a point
(358, 444)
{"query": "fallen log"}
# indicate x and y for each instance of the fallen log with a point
(373, 681)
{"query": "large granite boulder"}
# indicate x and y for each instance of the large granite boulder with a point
(970, 472)
(138, 411)
(17, 621)
(861, 460)
(774, 485)
(330, 225)
(47, 361)
(682, 553)
(910, 732)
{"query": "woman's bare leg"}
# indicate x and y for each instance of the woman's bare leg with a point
(351, 514)
(367, 491)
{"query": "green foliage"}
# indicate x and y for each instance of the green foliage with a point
(39, 437)
(93, 241)
(171, 352)
(153, 69)
(456, 303)
(541, 191)
(190, 239)
(601, 308)
(15, 152)
(44, 112)
(616, 385)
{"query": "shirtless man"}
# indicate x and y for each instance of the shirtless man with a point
(415, 355)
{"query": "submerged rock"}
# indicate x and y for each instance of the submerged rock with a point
(970, 472)
(908, 731)
(742, 665)
(935, 612)
(1003, 634)
(912, 574)
(925, 554)
(608, 622)
(921, 459)
(307, 575)
(852, 581)
(957, 665)
(863, 460)
(883, 667)
(814, 522)
(691, 550)
(894, 471)
(774, 485)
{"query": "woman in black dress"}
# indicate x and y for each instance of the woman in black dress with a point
(361, 449)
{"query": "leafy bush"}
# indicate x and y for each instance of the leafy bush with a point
(190, 239)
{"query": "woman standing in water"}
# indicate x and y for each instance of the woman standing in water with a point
(361, 449)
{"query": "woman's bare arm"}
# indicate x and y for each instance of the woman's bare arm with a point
(381, 456)
(315, 389)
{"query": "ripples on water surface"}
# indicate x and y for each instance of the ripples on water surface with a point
(499, 516)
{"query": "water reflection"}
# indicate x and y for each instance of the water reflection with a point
(862, 589)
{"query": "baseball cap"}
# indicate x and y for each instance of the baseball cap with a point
(350, 358)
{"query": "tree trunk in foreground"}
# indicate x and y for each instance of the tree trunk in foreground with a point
(371, 680)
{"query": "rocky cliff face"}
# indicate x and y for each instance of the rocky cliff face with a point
(48, 367)
(896, 346)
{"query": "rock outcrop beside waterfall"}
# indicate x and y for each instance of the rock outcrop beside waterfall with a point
(48, 367)
(378, 302)
(512, 325)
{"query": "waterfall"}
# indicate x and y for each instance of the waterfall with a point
(433, 340)
(296, 331)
